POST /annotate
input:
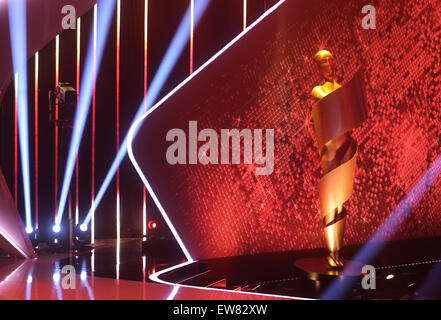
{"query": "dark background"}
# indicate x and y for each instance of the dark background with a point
(221, 22)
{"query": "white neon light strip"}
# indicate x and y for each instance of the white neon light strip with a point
(134, 127)
(155, 277)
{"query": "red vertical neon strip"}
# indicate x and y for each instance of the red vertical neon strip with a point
(118, 46)
(57, 72)
(78, 102)
(93, 121)
(244, 14)
(16, 140)
(191, 34)
(143, 268)
(144, 209)
(36, 138)
(146, 4)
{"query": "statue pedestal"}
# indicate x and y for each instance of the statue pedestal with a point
(317, 269)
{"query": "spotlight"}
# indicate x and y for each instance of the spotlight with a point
(152, 225)
(56, 277)
(33, 236)
(57, 238)
(81, 237)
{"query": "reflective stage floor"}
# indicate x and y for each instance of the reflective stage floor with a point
(404, 270)
(108, 272)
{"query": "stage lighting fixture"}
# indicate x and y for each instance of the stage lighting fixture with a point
(81, 237)
(56, 228)
(67, 94)
(57, 238)
(33, 236)
(152, 225)
(65, 97)
(91, 68)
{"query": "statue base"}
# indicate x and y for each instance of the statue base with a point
(317, 269)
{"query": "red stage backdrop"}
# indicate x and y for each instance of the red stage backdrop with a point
(264, 81)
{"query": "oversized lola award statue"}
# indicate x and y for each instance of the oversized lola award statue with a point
(338, 110)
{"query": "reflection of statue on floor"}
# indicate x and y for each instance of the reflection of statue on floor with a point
(333, 154)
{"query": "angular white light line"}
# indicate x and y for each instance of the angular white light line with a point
(155, 277)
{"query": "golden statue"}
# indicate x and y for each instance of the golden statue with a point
(337, 111)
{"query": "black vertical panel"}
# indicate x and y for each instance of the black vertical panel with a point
(67, 73)
(68, 54)
(84, 153)
(131, 94)
(105, 146)
(222, 21)
(255, 8)
(46, 139)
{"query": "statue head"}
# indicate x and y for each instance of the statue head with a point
(325, 62)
